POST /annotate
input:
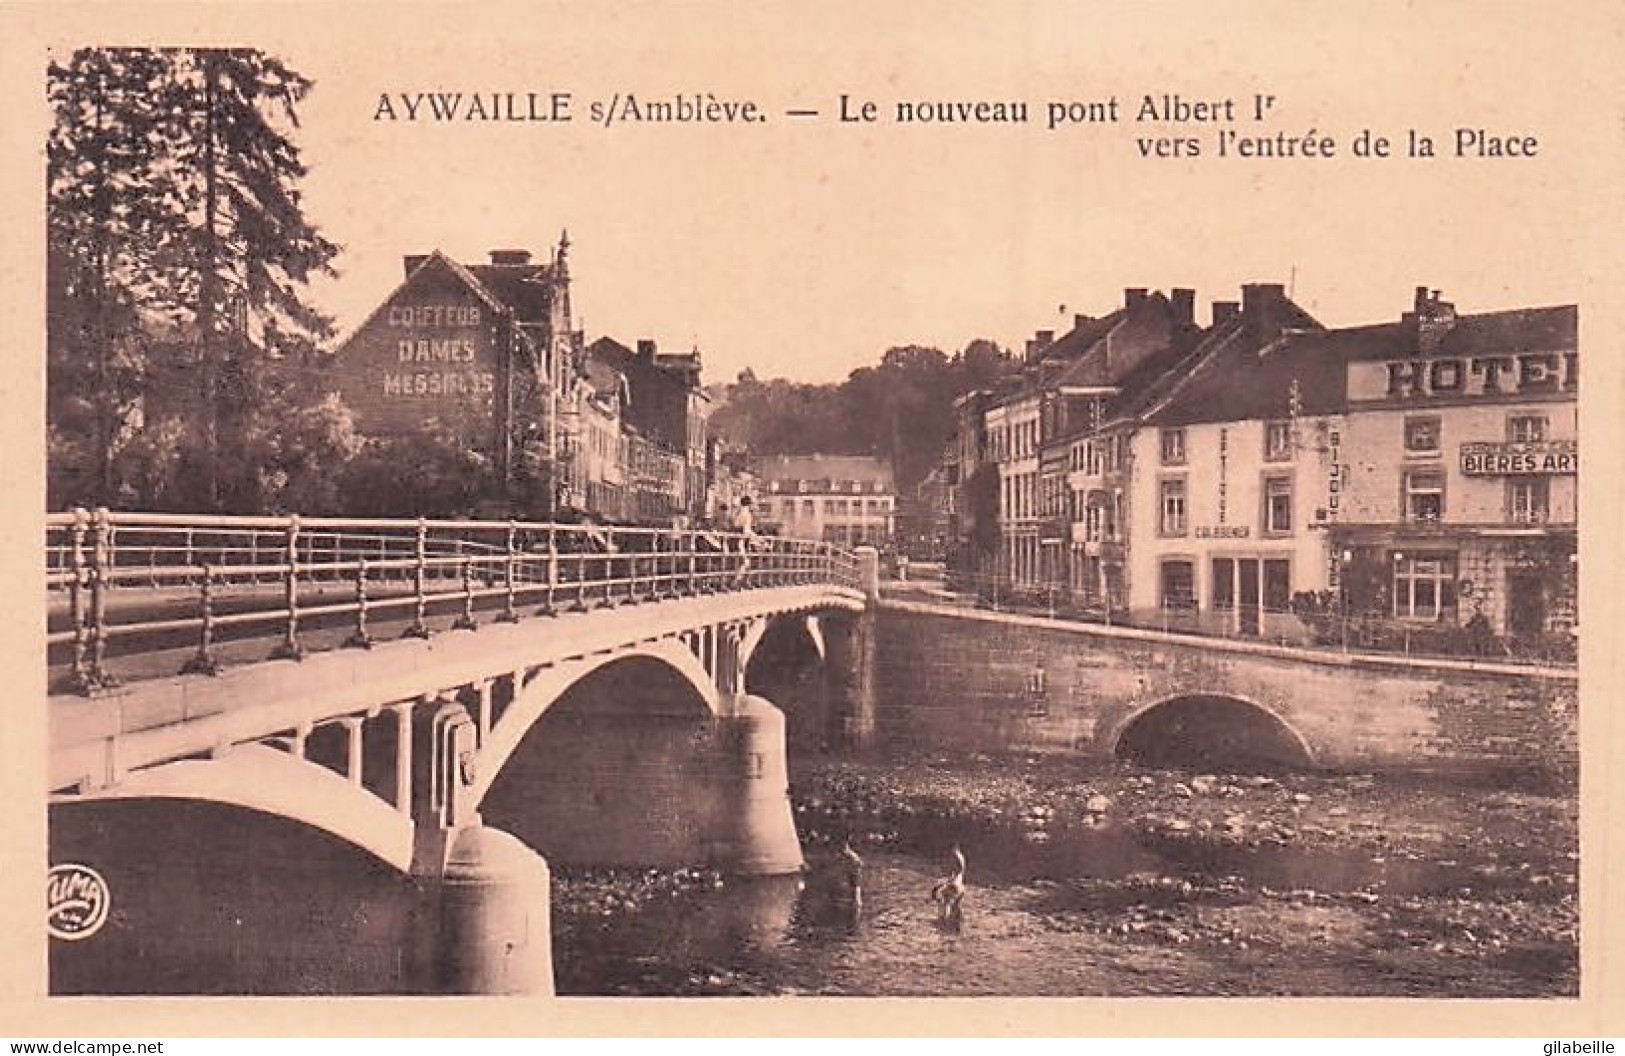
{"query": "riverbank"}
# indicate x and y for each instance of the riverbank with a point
(1100, 880)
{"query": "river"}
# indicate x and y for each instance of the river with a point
(1098, 879)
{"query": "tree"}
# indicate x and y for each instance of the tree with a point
(106, 212)
(429, 473)
(245, 250)
(178, 250)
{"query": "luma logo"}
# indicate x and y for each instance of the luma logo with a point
(76, 901)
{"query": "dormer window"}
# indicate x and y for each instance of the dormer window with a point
(1173, 447)
(1278, 441)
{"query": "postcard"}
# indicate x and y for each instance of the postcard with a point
(1075, 506)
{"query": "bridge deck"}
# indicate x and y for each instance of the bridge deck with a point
(174, 716)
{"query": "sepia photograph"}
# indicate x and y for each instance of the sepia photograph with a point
(683, 501)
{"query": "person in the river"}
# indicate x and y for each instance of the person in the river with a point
(851, 879)
(949, 894)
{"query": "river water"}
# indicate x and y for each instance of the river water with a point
(1106, 906)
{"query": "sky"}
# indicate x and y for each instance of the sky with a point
(805, 248)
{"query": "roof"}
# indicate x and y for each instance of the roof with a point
(1490, 333)
(1238, 374)
(494, 285)
(867, 468)
(526, 288)
(1235, 379)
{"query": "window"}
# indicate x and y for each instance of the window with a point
(1094, 521)
(806, 507)
(1178, 585)
(1277, 505)
(1422, 436)
(1424, 586)
(1526, 428)
(1173, 507)
(1173, 447)
(1224, 584)
(1424, 495)
(1278, 441)
(1528, 500)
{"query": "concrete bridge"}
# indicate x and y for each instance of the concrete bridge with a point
(345, 782)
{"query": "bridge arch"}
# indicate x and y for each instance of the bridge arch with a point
(610, 760)
(256, 873)
(1212, 731)
(788, 663)
(265, 780)
(678, 677)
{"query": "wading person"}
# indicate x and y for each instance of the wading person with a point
(949, 894)
(851, 880)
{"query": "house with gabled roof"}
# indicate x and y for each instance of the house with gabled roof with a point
(486, 351)
(1228, 462)
(1066, 388)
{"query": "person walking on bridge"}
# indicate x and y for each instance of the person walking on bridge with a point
(744, 523)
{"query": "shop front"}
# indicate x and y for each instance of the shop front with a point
(1507, 589)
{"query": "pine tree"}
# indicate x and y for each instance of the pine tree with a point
(179, 249)
(245, 253)
(106, 213)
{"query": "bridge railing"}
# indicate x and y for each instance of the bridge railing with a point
(1335, 629)
(145, 582)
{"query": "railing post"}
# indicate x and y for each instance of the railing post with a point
(509, 613)
(693, 563)
(360, 639)
(420, 569)
(549, 607)
(466, 621)
(203, 662)
(290, 649)
(79, 679)
(101, 566)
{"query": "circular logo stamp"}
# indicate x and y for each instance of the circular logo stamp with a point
(76, 901)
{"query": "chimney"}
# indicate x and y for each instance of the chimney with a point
(1040, 341)
(1224, 311)
(1133, 296)
(519, 257)
(646, 350)
(1260, 309)
(1079, 321)
(1434, 319)
(1259, 296)
(414, 261)
(1184, 306)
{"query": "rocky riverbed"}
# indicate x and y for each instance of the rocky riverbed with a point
(1106, 880)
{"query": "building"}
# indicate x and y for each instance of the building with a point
(1231, 468)
(1460, 503)
(974, 514)
(667, 405)
(845, 499)
(1069, 386)
(485, 350)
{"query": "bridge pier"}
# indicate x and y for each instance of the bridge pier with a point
(492, 932)
(485, 924)
(754, 828)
